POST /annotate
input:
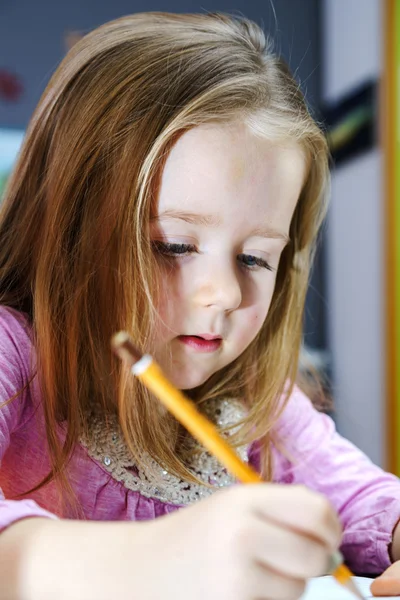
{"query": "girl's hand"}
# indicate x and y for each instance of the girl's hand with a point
(388, 584)
(251, 542)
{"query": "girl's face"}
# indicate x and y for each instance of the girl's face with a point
(222, 220)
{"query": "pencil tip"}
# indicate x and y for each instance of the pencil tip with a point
(123, 346)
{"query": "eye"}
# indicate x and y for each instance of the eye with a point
(253, 262)
(171, 249)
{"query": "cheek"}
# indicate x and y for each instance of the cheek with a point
(262, 302)
(257, 319)
(169, 294)
(254, 321)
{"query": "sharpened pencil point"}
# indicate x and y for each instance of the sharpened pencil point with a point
(123, 346)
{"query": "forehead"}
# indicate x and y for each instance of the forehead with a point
(225, 171)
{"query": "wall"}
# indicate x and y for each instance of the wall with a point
(352, 37)
(31, 36)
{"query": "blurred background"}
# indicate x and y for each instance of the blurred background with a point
(343, 53)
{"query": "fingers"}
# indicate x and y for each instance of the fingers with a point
(299, 509)
(269, 585)
(284, 551)
(271, 539)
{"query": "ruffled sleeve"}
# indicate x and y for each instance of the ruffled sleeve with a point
(15, 357)
(366, 498)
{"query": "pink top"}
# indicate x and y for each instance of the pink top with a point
(366, 498)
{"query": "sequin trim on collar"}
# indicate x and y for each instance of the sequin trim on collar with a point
(106, 445)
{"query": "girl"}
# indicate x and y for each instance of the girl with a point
(171, 183)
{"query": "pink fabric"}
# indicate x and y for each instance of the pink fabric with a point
(366, 499)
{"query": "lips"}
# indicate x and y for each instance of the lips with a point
(202, 343)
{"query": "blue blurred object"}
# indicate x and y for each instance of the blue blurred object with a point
(10, 143)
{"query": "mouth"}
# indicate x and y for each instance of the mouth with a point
(202, 343)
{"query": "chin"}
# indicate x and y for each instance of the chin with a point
(188, 381)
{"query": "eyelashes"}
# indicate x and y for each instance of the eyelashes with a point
(174, 250)
(170, 249)
(251, 261)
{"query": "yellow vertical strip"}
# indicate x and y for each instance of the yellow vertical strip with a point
(389, 134)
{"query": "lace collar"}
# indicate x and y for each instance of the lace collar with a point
(106, 445)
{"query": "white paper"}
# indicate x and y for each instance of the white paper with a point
(327, 588)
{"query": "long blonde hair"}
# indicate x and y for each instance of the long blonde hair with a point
(74, 250)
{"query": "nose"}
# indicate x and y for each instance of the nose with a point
(220, 287)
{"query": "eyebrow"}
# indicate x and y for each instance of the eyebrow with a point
(189, 217)
(270, 233)
(214, 221)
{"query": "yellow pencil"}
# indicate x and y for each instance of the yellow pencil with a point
(150, 374)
